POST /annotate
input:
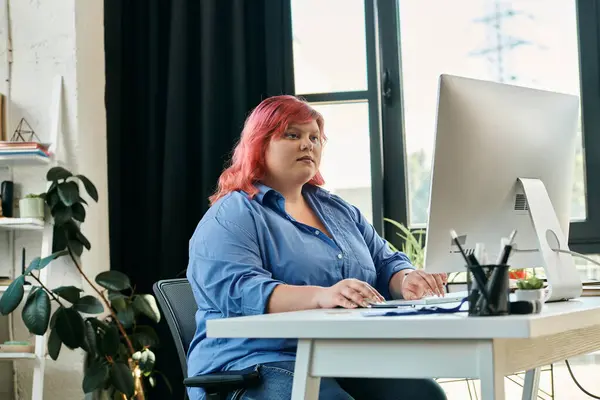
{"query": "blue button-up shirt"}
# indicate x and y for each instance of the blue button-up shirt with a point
(242, 249)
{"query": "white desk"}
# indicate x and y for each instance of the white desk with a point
(342, 343)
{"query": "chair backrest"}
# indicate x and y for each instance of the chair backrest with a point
(178, 306)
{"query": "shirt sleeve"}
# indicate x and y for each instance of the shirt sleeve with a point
(227, 270)
(387, 262)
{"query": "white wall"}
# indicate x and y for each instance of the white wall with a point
(57, 37)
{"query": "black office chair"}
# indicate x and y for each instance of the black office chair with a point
(178, 306)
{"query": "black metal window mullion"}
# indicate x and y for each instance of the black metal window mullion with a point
(585, 236)
(395, 187)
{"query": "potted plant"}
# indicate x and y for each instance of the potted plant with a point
(32, 206)
(530, 289)
(119, 362)
(413, 246)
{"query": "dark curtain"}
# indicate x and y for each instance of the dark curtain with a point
(181, 77)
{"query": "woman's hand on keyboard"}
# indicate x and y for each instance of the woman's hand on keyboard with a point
(418, 284)
(348, 293)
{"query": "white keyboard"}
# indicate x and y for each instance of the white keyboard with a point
(455, 297)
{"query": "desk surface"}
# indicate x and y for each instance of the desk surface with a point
(350, 324)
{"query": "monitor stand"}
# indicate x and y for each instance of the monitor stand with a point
(563, 279)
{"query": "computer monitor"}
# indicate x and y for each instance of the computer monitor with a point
(503, 160)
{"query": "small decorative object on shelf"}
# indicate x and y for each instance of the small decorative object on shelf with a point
(32, 206)
(24, 130)
(6, 199)
(530, 289)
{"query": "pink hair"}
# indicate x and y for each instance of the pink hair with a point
(269, 119)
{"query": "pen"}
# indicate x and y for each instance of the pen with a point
(456, 241)
(506, 248)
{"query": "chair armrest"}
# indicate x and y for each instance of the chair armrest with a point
(225, 381)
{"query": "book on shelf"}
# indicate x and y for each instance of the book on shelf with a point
(24, 148)
(5, 280)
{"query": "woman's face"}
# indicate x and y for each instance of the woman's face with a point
(294, 158)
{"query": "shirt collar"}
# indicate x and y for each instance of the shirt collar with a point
(265, 191)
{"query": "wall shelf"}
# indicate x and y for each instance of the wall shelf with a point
(17, 356)
(21, 224)
(23, 160)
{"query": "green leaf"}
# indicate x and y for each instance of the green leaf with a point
(68, 193)
(110, 341)
(113, 280)
(13, 296)
(76, 247)
(61, 213)
(89, 187)
(56, 173)
(69, 326)
(89, 305)
(33, 265)
(119, 304)
(81, 200)
(95, 376)
(36, 312)
(126, 317)
(122, 378)
(69, 293)
(144, 336)
(147, 361)
(146, 304)
(41, 263)
(78, 212)
(59, 241)
(53, 319)
(83, 240)
(97, 324)
(52, 198)
(113, 294)
(54, 344)
(89, 338)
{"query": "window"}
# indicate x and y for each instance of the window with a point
(330, 72)
(346, 165)
(527, 43)
(329, 46)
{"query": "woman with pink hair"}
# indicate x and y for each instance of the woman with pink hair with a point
(274, 241)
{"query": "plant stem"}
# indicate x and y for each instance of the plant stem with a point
(112, 312)
(47, 290)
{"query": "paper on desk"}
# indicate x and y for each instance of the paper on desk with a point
(423, 310)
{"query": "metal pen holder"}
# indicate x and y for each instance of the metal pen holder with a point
(497, 288)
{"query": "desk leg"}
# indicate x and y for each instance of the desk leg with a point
(492, 380)
(306, 387)
(532, 383)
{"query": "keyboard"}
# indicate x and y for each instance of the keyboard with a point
(455, 297)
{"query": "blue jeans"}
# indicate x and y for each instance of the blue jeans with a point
(277, 378)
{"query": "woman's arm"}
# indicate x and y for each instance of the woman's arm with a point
(293, 298)
(226, 268)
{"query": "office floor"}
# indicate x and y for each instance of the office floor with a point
(585, 368)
